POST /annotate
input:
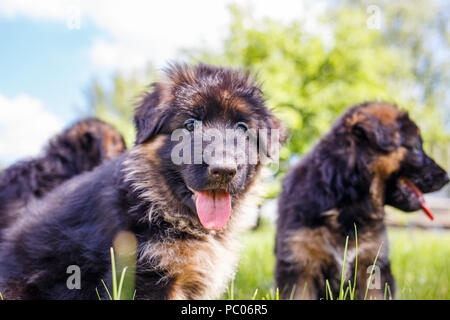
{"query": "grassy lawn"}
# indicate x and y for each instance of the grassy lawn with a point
(420, 262)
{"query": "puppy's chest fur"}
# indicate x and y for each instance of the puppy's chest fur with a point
(315, 248)
(194, 268)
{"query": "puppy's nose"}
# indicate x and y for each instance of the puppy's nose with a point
(222, 173)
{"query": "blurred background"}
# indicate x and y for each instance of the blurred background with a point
(64, 60)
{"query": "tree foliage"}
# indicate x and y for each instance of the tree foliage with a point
(310, 77)
(116, 104)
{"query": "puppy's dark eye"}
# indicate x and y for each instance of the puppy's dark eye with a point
(189, 124)
(416, 147)
(242, 126)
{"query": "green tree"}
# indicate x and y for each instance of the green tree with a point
(310, 80)
(116, 104)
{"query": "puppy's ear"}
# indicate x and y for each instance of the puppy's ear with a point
(274, 127)
(370, 130)
(272, 123)
(150, 115)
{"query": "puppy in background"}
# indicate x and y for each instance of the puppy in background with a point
(373, 156)
(77, 149)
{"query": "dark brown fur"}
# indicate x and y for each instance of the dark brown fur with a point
(344, 182)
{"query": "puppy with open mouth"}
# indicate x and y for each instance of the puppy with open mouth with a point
(372, 157)
(185, 211)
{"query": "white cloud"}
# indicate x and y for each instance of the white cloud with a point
(140, 31)
(53, 9)
(25, 126)
(143, 31)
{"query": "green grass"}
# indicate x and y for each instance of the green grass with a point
(420, 264)
(256, 265)
(116, 285)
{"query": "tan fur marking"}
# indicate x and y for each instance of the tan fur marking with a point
(240, 105)
(354, 119)
(150, 149)
(309, 249)
(386, 113)
(233, 102)
(376, 191)
(78, 130)
(313, 248)
(112, 144)
(385, 165)
(382, 168)
(201, 268)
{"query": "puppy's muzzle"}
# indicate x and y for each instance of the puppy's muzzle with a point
(222, 173)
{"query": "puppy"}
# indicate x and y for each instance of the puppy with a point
(79, 148)
(185, 215)
(372, 156)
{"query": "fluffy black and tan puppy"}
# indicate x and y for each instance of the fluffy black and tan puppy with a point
(79, 148)
(185, 216)
(373, 156)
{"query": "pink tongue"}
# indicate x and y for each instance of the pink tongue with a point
(419, 196)
(213, 208)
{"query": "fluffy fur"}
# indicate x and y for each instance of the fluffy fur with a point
(79, 148)
(345, 181)
(144, 192)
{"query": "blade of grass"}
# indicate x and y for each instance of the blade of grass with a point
(341, 288)
(348, 290)
(122, 277)
(98, 295)
(1, 296)
(385, 291)
(389, 291)
(231, 290)
(291, 296)
(106, 288)
(371, 271)
(328, 290)
(356, 262)
(114, 275)
(304, 290)
(255, 294)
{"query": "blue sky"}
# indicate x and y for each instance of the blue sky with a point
(47, 65)
(48, 61)
(50, 50)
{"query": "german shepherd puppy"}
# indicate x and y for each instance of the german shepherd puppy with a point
(185, 216)
(79, 148)
(373, 156)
